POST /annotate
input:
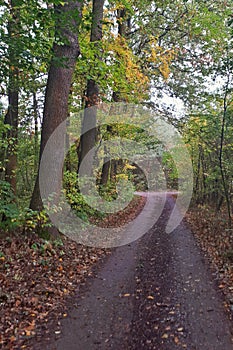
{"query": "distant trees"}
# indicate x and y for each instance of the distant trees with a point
(207, 83)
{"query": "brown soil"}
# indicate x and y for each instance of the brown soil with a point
(156, 293)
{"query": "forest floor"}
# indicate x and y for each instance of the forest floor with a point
(215, 239)
(37, 276)
(160, 292)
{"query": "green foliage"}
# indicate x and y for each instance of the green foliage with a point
(29, 38)
(75, 198)
(14, 217)
(108, 192)
(33, 220)
(9, 211)
(170, 171)
(27, 158)
(203, 133)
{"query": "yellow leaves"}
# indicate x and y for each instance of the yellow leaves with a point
(160, 56)
(150, 297)
(129, 166)
(127, 72)
(86, 10)
(117, 6)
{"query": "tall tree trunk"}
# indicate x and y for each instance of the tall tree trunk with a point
(221, 163)
(59, 78)
(12, 120)
(123, 25)
(36, 131)
(12, 114)
(89, 130)
(105, 172)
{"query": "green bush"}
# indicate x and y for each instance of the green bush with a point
(76, 199)
(12, 217)
(9, 212)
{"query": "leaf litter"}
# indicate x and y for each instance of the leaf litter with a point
(37, 277)
(216, 240)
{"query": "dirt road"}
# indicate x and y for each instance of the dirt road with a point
(156, 293)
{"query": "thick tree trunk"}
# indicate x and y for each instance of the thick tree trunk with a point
(59, 79)
(89, 130)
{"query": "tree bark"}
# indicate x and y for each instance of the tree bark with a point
(12, 114)
(112, 166)
(36, 131)
(66, 50)
(105, 172)
(89, 130)
(12, 120)
(221, 163)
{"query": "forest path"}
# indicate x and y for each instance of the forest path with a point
(155, 293)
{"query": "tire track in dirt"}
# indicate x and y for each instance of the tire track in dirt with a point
(155, 293)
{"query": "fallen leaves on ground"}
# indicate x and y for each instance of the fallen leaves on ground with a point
(37, 276)
(216, 240)
(124, 216)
